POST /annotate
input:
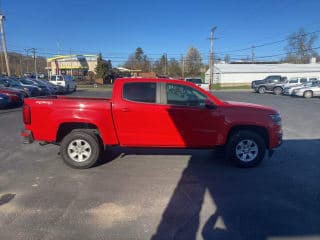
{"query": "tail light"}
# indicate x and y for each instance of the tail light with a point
(26, 114)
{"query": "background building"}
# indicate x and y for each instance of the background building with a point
(244, 74)
(75, 65)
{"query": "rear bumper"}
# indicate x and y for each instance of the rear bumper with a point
(27, 136)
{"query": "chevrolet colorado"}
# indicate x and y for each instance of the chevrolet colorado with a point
(151, 113)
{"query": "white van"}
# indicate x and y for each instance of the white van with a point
(64, 80)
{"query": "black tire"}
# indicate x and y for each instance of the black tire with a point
(262, 89)
(75, 89)
(308, 94)
(86, 138)
(277, 90)
(242, 136)
(68, 90)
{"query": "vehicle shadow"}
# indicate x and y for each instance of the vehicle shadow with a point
(279, 198)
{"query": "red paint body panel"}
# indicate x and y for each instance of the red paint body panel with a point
(136, 124)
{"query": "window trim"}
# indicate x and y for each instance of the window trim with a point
(138, 102)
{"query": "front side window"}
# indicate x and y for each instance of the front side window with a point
(140, 92)
(303, 80)
(273, 79)
(59, 78)
(184, 96)
(293, 81)
(53, 78)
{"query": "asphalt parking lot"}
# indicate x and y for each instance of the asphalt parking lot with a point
(165, 194)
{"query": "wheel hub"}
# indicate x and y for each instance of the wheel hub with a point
(246, 150)
(79, 150)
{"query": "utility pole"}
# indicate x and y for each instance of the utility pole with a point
(211, 56)
(1, 59)
(165, 64)
(33, 50)
(4, 45)
(71, 60)
(182, 68)
(252, 54)
(27, 63)
(21, 65)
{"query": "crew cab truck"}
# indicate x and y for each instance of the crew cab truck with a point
(155, 113)
(273, 83)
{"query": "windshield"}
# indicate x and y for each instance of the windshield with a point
(194, 80)
(26, 81)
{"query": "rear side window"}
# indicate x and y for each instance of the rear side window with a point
(53, 78)
(140, 92)
(59, 78)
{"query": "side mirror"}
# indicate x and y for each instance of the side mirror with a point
(209, 104)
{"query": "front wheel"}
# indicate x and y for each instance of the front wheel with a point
(262, 90)
(246, 148)
(308, 94)
(277, 90)
(80, 149)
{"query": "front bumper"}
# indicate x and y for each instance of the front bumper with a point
(27, 136)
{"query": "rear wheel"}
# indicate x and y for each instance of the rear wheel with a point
(246, 148)
(277, 90)
(308, 94)
(262, 89)
(80, 149)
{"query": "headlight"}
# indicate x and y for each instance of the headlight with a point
(276, 118)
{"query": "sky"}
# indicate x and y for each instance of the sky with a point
(116, 28)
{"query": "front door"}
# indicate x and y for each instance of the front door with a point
(195, 124)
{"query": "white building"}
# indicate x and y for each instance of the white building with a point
(244, 74)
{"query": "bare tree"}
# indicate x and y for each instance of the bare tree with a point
(193, 62)
(300, 47)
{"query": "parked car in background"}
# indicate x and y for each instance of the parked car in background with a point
(198, 82)
(68, 82)
(16, 98)
(5, 85)
(308, 91)
(56, 88)
(45, 89)
(295, 81)
(4, 101)
(288, 90)
(273, 83)
(11, 91)
(32, 90)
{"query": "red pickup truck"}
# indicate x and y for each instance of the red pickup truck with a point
(144, 112)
